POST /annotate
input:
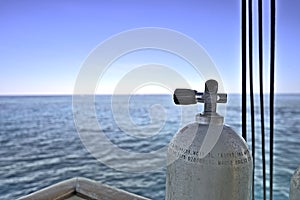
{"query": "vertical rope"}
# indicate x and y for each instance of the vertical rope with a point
(244, 69)
(251, 91)
(260, 39)
(272, 66)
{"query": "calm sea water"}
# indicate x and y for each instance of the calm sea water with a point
(40, 146)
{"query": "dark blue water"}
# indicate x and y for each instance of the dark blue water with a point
(40, 146)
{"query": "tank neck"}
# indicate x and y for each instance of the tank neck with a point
(210, 99)
(210, 118)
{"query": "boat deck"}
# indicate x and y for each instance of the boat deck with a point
(82, 189)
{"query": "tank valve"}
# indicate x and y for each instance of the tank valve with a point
(210, 98)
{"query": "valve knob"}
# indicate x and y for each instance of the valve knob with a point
(185, 97)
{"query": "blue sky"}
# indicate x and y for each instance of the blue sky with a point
(43, 44)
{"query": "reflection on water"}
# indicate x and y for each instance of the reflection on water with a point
(39, 145)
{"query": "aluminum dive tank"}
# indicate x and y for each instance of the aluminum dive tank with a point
(206, 159)
(295, 185)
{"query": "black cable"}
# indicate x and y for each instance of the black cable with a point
(250, 25)
(272, 66)
(260, 40)
(244, 70)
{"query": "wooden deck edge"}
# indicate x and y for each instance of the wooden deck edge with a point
(54, 192)
(83, 187)
(96, 190)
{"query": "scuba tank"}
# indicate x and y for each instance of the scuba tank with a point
(207, 160)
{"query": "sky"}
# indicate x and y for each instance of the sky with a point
(44, 44)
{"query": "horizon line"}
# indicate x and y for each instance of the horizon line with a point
(110, 94)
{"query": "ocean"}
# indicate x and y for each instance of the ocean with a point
(41, 143)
